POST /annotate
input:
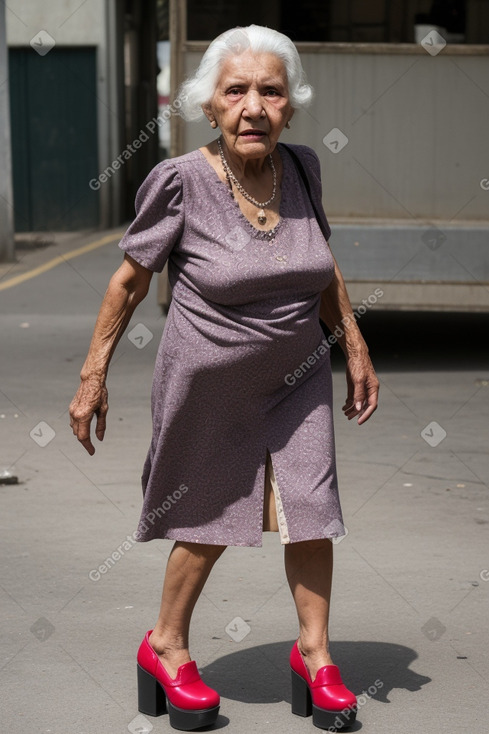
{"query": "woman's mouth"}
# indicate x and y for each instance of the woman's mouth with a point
(252, 134)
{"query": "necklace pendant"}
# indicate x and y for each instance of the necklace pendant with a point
(262, 219)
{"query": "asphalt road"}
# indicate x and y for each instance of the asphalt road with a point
(411, 585)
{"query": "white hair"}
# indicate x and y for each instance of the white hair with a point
(200, 87)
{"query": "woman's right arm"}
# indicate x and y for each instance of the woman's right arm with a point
(127, 288)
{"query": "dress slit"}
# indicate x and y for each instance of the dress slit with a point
(273, 511)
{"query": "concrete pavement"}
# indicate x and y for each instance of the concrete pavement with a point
(411, 585)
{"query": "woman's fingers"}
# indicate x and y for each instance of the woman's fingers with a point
(363, 390)
(366, 412)
(84, 437)
(87, 403)
(369, 404)
(101, 421)
(81, 429)
(353, 409)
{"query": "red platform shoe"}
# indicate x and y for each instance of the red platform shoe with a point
(332, 705)
(190, 703)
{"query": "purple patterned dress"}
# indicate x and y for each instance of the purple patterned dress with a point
(243, 366)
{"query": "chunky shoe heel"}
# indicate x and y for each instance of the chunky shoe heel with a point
(151, 697)
(333, 706)
(189, 702)
(301, 696)
(333, 720)
(188, 720)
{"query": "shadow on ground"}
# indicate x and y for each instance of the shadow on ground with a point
(420, 342)
(261, 674)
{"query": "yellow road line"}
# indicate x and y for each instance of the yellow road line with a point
(60, 259)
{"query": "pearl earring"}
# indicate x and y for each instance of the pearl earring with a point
(213, 124)
(287, 125)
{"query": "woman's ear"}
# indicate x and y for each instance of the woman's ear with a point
(206, 108)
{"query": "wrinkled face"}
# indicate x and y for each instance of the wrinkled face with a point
(251, 103)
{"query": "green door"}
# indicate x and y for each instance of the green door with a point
(53, 107)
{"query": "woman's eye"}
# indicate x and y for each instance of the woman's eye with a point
(272, 92)
(234, 91)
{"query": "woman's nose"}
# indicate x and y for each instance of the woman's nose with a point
(253, 104)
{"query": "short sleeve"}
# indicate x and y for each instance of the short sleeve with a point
(159, 221)
(310, 161)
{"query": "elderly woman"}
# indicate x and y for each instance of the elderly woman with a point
(241, 401)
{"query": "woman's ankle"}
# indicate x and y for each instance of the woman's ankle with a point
(171, 653)
(315, 655)
(166, 645)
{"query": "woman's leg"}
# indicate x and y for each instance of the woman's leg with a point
(188, 567)
(309, 568)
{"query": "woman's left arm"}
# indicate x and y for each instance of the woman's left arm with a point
(362, 383)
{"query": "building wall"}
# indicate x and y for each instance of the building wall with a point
(69, 22)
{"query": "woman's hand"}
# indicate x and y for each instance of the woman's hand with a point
(90, 400)
(362, 383)
(128, 286)
(362, 388)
